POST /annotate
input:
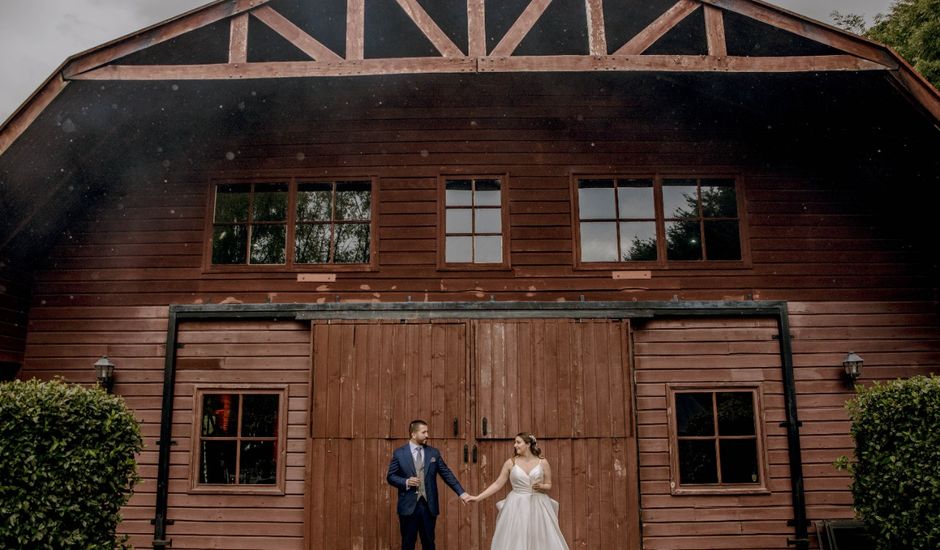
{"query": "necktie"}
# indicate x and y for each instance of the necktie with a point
(419, 467)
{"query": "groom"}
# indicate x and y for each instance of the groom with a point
(413, 471)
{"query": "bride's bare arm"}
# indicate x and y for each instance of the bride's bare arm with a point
(545, 485)
(496, 485)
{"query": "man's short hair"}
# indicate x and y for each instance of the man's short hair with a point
(415, 425)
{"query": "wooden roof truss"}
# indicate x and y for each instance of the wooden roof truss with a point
(858, 55)
(846, 52)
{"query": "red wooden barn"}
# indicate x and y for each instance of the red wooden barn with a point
(647, 231)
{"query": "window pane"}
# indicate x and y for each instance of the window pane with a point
(489, 250)
(694, 414)
(312, 244)
(459, 193)
(229, 244)
(352, 243)
(354, 200)
(217, 461)
(697, 463)
(735, 413)
(220, 415)
(258, 463)
(458, 250)
(596, 199)
(598, 242)
(487, 193)
(231, 203)
(722, 240)
(683, 241)
(267, 244)
(260, 415)
(313, 201)
(635, 199)
(680, 199)
(270, 203)
(637, 241)
(459, 220)
(719, 199)
(488, 220)
(739, 461)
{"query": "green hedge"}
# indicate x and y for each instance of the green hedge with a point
(896, 473)
(66, 465)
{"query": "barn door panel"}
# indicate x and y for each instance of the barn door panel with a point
(371, 379)
(555, 378)
(568, 382)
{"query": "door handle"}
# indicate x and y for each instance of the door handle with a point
(456, 427)
(485, 429)
(474, 454)
(466, 450)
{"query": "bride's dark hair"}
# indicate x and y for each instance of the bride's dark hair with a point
(529, 438)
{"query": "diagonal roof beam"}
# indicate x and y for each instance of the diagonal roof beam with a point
(807, 28)
(295, 35)
(238, 39)
(715, 32)
(157, 34)
(657, 29)
(597, 37)
(520, 28)
(441, 41)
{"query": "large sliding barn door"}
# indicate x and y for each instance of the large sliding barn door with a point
(369, 380)
(567, 382)
(477, 383)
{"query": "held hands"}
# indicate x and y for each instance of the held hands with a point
(467, 498)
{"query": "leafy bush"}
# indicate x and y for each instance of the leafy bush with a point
(66, 465)
(896, 485)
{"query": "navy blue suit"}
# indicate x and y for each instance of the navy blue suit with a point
(419, 517)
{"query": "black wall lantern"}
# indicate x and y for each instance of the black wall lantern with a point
(852, 365)
(104, 373)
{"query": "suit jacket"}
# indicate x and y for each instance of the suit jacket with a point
(402, 467)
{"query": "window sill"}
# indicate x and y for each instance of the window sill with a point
(275, 269)
(474, 267)
(665, 266)
(719, 491)
(236, 490)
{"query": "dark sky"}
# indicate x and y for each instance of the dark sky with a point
(36, 36)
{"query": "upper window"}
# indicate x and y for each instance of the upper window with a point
(239, 439)
(657, 220)
(293, 223)
(717, 442)
(473, 221)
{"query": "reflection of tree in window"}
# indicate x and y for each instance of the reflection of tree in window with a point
(716, 438)
(701, 219)
(238, 439)
(333, 222)
(250, 223)
(617, 220)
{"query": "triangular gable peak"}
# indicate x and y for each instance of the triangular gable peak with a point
(234, 39)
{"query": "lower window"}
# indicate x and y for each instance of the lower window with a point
(239, 439)
(716, 440)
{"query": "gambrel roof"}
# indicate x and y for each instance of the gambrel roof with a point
(372, 37)
(735, 52)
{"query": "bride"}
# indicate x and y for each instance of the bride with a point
(528, 518)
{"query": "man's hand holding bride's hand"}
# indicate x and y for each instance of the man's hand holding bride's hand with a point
(467, 498)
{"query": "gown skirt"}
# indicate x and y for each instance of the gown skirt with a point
(527, 520)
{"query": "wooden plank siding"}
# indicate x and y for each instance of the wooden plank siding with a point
(14, 309)
(855, 280)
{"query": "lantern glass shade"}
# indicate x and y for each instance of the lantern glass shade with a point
(104, 372)
(852, 364)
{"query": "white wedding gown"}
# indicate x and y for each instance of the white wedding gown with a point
(528, 520)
